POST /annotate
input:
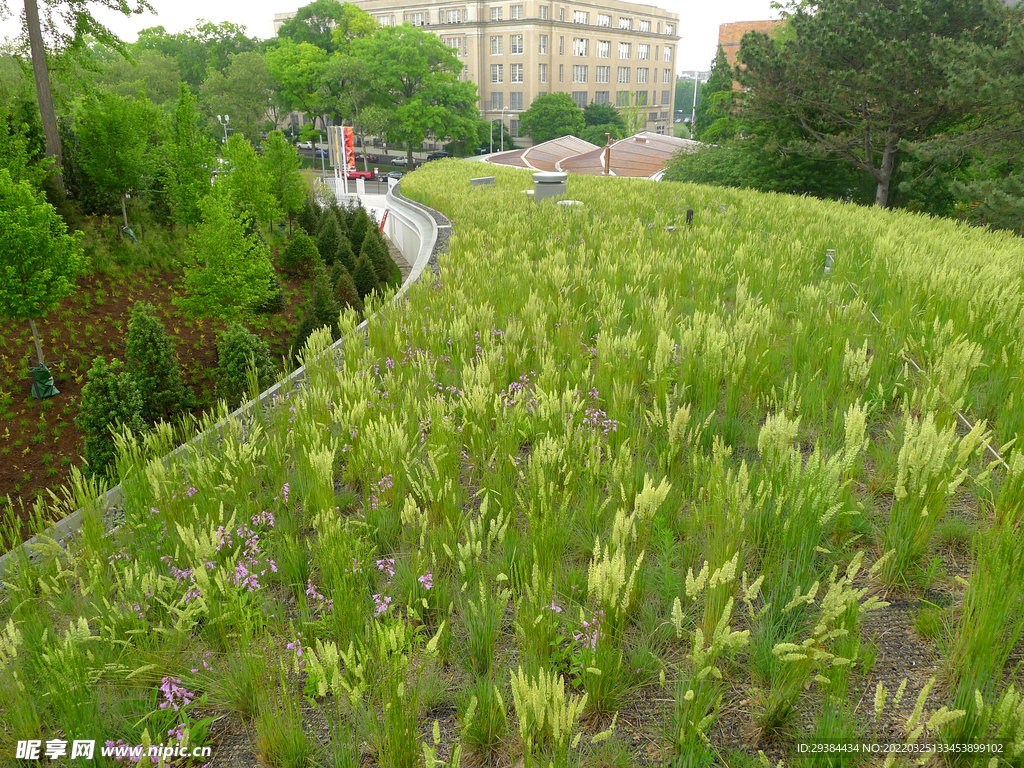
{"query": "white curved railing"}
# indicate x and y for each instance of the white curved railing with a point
(408, 225)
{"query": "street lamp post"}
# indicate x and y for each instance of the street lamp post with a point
(503, 128)
(223, 120)
(693, 111)
(492, 130)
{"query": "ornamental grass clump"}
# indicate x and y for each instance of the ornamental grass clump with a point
(546, 716)
(932, 465)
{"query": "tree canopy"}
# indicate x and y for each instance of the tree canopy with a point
(328, 24)
(551, 116)
(860, 78)
(419, 83)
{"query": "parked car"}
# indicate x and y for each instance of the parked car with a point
(372, 158)
(401, 161)
(396, 175)
(437, 156)
(320, 153)
(305, 145)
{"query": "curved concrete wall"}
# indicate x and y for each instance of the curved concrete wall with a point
(410, 226)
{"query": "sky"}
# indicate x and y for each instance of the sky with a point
(698, 20)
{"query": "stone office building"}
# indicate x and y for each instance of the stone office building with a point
(516, 50)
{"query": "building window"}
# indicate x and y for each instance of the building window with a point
(416, 19)
(384, 21)
(623, 75)
(670, 29)
(561, 46)
(580, 17)
(543, 11)
(622, 98)
(580, 46)
(666, 97)
(497, 100)
(643, 52)
(513, 125)
(465, 72)
(497, 73)
(579, 73)
(561, 72)
(644, 26)
(516, 73)
(451, 17)
(495, 13)
(604, 74)
(580, 97)
(652, 116)
(561, 14)
(496, 45)
(516, 12)
(642, 74)
(625, 22)
(604, 49)
(666, 76)
(600, 97)
(515, 43)
(515, 100)
(625, 49)
(641, 98)
(542, 73)
(668, 53)
(664, 115)
(453, 42)
(604, 20)
(544, 44)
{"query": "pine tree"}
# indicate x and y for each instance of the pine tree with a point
(365, 277)
(345, 290)
(309, 216)
(110, 401)
(323, 310)
(375, 251)
(237, 350)
(346, 256)
(150, 357)
(300, 255)
(328, 240)
(719, 82)
(361, 224)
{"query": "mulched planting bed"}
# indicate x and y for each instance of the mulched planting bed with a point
(39, 441)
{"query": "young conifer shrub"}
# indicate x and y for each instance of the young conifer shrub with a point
(238, 350)
(345, 288)
(346, 256)
(328, 239)
(323, 310)
(151, 358)
(360, 225)
(376, 251)
(110, 400)
(300, 255)
(309, 217)
(365, 277)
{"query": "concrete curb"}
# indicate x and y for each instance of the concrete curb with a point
(424, 220)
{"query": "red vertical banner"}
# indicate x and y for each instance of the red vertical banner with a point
(350, 148)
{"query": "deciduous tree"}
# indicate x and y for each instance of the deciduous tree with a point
(192, 154)
(230, 272)
(420, 84)
(39, 260)
(551, 116)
